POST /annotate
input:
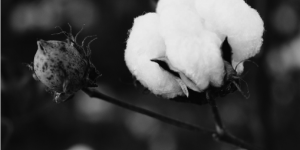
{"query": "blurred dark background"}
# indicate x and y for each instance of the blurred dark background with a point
(30, 120)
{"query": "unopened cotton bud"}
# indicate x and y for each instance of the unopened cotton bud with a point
(56, 62)
(64, 67)
(143, 45)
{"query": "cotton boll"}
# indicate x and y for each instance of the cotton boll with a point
(181, 22)
(192, 49)
(145, 43)
(198, 58)
(162, 4)
(244, 48)
(238, 21)
(204, 9)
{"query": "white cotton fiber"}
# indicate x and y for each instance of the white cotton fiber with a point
(188, 34)
(145, 43)
(238, 21)
(162, 4)
(238, 66)
(192, 49)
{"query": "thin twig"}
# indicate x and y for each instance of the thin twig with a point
(217, 117)
(94, 93)
(221, 133)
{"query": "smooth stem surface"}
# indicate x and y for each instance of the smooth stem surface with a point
(177, 123)
(220, 135)
(217, 117)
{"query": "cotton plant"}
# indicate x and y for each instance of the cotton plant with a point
(178, 48)
(175, 51)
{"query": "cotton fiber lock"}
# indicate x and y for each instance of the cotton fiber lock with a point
(179, 47)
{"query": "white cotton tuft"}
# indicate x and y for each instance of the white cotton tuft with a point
(162, 4)
(191, 49)
(145, 43)
(238, 21)
(238, 66)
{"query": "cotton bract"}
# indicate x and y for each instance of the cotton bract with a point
(187, 36)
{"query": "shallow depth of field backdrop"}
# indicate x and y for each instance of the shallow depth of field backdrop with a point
(30, 120)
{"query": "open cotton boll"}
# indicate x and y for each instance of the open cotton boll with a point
(145, 43)
(162, 4)
(238, 21)
(190, 48)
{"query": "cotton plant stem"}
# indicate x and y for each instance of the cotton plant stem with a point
(217, 117)
(220, 134)
(96, 94)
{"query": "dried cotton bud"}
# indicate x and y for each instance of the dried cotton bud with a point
(64, 67)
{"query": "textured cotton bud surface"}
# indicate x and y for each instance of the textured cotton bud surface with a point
(50, 64)
(63, 67)
(178, 48)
